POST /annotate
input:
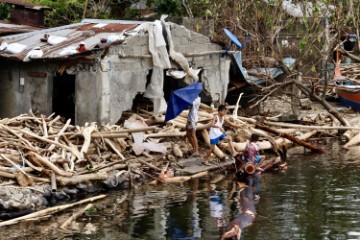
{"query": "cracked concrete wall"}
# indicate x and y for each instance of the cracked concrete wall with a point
(120, 79)
(17, 99)
(215, 74)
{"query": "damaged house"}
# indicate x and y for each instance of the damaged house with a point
(93, 70)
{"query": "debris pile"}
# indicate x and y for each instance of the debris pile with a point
(40, 153)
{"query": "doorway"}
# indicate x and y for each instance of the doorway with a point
(63, 101)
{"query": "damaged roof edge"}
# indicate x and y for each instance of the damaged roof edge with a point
(90, 20)
(83, 22)
(47, 30)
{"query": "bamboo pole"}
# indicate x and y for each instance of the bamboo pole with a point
(53, 182)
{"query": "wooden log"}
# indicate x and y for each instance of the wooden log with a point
(265, 145)
(180, 179)
(46, 162)
(148, 164)
(298, 126)
(143, 129)
(18, 136)
(291, 138)
(177, 151)
(49, 211)
(245, 218)
(45, 130)
(24, 180)
(53, 121)
(353, 141)
(15, 170)
(109, 135)
(111, 145)
(325, 104)
(164, 134)
(7, 175)
(76, 153)
(12, 163)
(58, 135)
(66, 181)
(86, 132)
(349, 134)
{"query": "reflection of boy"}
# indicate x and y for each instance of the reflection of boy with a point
(191, 126)
(217, 210)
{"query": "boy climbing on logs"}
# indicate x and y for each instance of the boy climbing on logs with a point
(252, 152)
(217, 133)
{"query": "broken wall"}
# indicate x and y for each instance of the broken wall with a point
(120, 79)
(215, 74)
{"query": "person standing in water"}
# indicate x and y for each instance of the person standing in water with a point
(217, 133)
(190, 127)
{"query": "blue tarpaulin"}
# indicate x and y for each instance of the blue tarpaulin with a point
(181, 99)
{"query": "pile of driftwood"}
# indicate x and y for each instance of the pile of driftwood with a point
(36, 149)
(46, 149)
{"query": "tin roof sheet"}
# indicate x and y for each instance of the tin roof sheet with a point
(7, 28)
(89, 31)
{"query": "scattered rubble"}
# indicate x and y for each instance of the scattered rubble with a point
(44, 160)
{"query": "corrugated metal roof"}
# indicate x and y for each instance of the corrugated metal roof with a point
(89, 31)
(25, 4)
(7, 28)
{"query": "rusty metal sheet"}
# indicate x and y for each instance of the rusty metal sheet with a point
(89, 31)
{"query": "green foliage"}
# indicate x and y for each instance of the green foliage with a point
(170, 7)
(4, 11)
(63, 11)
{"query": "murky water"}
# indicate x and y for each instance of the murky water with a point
(317, 197)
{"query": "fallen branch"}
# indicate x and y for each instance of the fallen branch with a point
(49, 211)
(291, 138)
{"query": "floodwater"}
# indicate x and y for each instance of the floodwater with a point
(317, 197)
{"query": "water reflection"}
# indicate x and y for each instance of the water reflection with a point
(316, 198)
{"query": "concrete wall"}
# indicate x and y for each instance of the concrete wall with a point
(215, 67)
(34, 94)
(120, 79)
(87, 97)
(123, 78)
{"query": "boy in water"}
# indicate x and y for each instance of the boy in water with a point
(217, 133)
